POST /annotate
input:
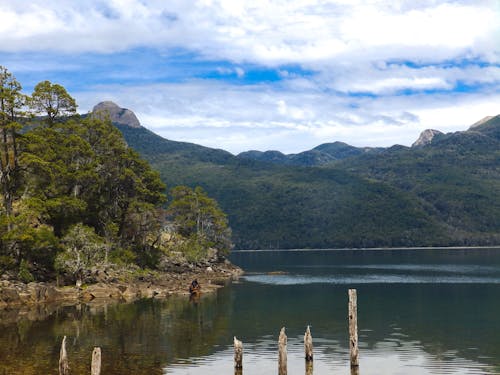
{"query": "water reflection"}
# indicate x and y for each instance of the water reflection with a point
(405, 327)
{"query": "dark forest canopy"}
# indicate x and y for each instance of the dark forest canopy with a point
(75, 196)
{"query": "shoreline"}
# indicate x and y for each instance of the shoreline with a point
(493, 247)
(159, 285)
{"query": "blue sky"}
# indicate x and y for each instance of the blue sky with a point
(266, 74)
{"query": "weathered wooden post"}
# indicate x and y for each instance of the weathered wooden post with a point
(238, 354)
(309, 368)
(308, 345)
(63, 359)
(95, 368)
(353, 328)
(282, 352)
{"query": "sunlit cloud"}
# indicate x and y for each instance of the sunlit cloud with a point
(267, 74)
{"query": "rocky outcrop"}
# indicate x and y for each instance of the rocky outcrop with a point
(117, 114)
(426, 137)
(125, 287)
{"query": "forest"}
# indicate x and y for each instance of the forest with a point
(75, 196)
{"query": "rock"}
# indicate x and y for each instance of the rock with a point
(117, 114)
(210, 269)
(212, 255)
(9, 294)
(426, 137)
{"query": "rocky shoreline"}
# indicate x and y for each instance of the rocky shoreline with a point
(118, 286)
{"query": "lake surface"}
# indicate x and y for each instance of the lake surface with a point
(419, 312)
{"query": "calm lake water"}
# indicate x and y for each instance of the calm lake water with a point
(419, 312)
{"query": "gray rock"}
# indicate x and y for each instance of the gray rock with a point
(117, 114)
(426, 137)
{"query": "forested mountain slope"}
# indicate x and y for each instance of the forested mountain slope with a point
(444, 192)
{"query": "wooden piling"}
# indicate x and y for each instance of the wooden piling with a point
(309, 368)
(282, 352)
(308, 345)
(95, 368)
(63, 359)
(238, 354)
(353, 328)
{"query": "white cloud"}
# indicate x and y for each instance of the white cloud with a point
(239, 118)
(380, 47)
(266, 32)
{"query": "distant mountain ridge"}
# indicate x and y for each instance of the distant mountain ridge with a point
(443, 192)
(319, 155)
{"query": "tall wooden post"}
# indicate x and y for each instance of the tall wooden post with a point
(308, 345)
(282, 352)
(353, 328)
(238, 354)
(95, 368)
(63, 359)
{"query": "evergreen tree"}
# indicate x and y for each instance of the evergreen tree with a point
(195, 215)
(53, 101)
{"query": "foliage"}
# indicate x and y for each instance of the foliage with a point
(443, 194)
(24, 273)
(83, 249)
(74, 195)
(53, 101)
(199, 218)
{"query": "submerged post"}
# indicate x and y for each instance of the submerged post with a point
(282, 352)
(95, 368)
(238, 354)
(353, 328)
(308, 345)
(309, 368)
(63, 359)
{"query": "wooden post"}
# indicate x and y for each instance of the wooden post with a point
(309, 368)
(282, 352)
(238, 353)
(353, 328)
(63, 359)
(95, 368)
(308, 345)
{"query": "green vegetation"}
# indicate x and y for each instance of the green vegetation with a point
(443, 194)
(274, 206)
(74, 196)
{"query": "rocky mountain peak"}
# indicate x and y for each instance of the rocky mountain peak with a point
(481, 122)
(117, 114)
(426, 137)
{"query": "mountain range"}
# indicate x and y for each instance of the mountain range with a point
(442, 191)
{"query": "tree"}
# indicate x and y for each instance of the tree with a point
(195, 215)
(83, 249)
(11, 104)
(53, 101)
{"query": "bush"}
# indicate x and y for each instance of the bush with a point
(24, 273)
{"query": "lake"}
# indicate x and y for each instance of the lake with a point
(419, 312)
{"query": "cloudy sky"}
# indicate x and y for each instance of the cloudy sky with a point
(266, 74)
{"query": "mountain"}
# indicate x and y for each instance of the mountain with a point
(426, 137)
(456, 177)
(117, 114)
(441, 193)
(320, 155)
